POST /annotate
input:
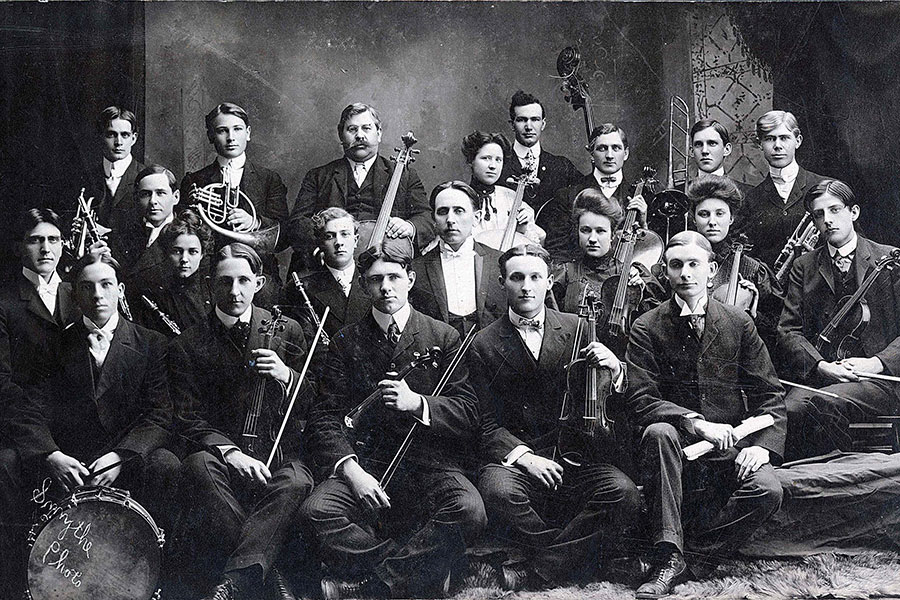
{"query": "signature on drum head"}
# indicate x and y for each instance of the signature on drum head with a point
(58, 561)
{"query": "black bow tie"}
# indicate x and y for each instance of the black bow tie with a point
(240, 333)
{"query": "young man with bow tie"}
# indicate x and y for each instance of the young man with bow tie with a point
(34, 311)
(357, 182)
(456, 279)
(335, 283)
(818, 282)
(239, 511)
(403, 541)
(567, 518)
(608, 148)
(696, 369)
(774, 208)
(528, 120)
(228, 130)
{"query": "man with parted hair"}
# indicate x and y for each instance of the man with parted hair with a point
(711, 145)
(358, 182)
(774, 208)
(528, 119)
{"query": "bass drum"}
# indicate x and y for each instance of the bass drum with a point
(100, 545)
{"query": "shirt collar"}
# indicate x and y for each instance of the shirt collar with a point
(846, 249)
(39, 282)
(118, 168)
(686, 310)
(400, 318)
(228, 321)
(165, 222)
(342, 274)
(720, 171)
(786, 174)
(467, 248)
(237, 162)
(107, 330)
(367, 163)
(515, 318)
(617, 178)
(522, 151)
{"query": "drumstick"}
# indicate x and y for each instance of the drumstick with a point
(108, 467)
(810, 389)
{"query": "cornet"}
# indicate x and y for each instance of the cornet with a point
(85, 229)
(804, 239)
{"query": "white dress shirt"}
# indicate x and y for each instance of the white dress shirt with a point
(459, 277)
(47, 290)
(361, 169)
(343, 277)
(228, 321)
(104, 335)
(784, 178)
(532, 337)
(232, 169)
(608, 187)
(113, 171)
(845, 250)
(522, 152)
(686, 311)
(156, 230)
(720, 171)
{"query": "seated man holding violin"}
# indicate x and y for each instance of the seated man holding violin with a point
(232, 377)
(551, 491)
(457, 281)
(608, 147)
(697, 369)
(840, 327)
(393, 522)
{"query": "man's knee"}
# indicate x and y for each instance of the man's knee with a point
(766, 489)
(320, 506)
(657, 434)
(470, 508)
(498, 486)
(296, 480)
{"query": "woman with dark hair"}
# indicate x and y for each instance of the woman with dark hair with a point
(594, 219)
(484, 154)
(185, 298)
(715, 201)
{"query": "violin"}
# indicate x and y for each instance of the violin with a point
(266, 403)
(506, 238)
(733, 293)
(583, 426)
(841, 337)
(374, 231)
(574, 86)
(648, 246)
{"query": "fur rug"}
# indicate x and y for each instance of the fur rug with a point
(866, 575)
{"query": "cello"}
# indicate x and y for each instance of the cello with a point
(583, 427)
(841, 337)
(374, 231)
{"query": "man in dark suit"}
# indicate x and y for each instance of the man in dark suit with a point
(240, 507)
(111, 184)
(528, 119)
(819, 280)
(335, 284)
(34, 310)
(457, 280)
(774, 208)
(401, 545)
(696, 369)
(609, 151)
(566, 519)
(357, 182)
(711, 145)
(228, 130)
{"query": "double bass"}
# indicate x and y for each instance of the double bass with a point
(574, 86)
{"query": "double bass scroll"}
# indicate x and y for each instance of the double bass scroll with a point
(574, 86)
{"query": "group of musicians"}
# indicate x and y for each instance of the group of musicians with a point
(353, 412)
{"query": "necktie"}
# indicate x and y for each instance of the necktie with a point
(47, 294)
(393, 333)
(98, 346)
(843, 263)
(345, 286)
(227, 174)
(359, 173)
(697, 323)
(534, 324)
(240, 333)
(529, 160)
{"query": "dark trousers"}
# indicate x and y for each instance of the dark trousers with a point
(228, 517)
(152, 482)
(703, 496)
(818, 424)
(564, 531)
(410, 558)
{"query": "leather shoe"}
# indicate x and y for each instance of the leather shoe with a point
(335, 589)
(671, 571)
(514, 578)
(279, 586)
(226, 590)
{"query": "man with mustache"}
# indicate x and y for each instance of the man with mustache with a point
(357, 182)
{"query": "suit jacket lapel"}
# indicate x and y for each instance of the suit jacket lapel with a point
(552, 344)
(410, 332)
(480, 289)
(863, 259)
(65, 310)
(33, 302)
(513, 349)
(435, 273)
(824, 263)
(710, 327)
(116, 357)
(381, 176)
(339, 177)
(331, 294)
(76, 363)
(799, 188)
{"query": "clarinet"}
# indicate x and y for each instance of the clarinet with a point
(172, 325)
(315, 317)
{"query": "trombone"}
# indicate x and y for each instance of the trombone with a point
(671, 205)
